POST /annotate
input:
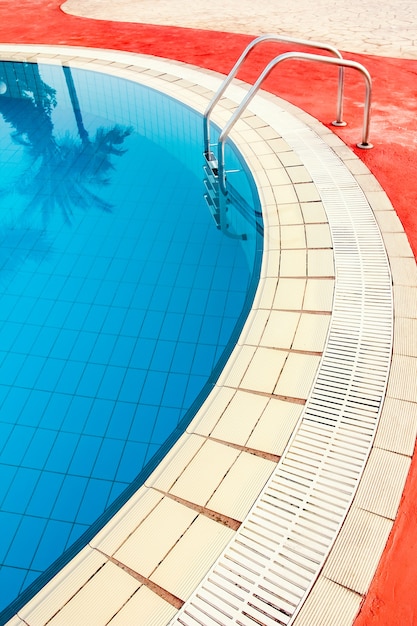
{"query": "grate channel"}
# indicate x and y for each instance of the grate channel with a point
(268, 569)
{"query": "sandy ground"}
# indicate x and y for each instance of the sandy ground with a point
(366, 26)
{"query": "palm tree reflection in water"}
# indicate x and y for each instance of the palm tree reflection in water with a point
(62, 172)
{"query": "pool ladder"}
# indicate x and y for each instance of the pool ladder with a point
(211, 183)
(219, 203)
(218, 192)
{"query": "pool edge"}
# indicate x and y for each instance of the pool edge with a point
(375, 195)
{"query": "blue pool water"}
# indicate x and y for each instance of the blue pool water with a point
(120, 301)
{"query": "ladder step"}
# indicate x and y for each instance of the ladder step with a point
(215, 213)
(212, 162)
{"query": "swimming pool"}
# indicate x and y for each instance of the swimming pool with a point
(120, 301)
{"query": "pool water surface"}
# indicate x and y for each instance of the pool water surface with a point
(120, 301)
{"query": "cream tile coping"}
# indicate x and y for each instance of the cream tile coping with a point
(150, 557)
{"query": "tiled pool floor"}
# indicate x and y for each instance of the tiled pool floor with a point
(155, 551)
(115, 305)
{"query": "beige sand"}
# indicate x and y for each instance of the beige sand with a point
(370, 26)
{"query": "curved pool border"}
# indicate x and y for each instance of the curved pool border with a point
(148, 555)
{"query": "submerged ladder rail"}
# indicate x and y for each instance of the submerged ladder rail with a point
(277, 38)
(301, 56)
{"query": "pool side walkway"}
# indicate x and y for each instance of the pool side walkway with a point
(401, 394)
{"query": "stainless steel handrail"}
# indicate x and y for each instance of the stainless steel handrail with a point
(252, 92)
(283, 39)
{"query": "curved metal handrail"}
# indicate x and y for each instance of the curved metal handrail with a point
(283, 39)
(252, 92)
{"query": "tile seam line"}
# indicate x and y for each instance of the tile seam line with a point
(160, 591)
(201, 509)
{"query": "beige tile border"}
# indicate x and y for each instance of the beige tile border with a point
(287, 267)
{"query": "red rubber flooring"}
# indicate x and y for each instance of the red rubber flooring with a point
(391, 600)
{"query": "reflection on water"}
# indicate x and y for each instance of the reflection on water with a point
(62, 173)
(119, 302)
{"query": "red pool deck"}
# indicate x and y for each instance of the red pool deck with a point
(391, 600)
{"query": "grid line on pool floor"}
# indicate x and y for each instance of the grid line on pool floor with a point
(119, 299)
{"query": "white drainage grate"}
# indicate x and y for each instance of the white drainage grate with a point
(266, 572)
